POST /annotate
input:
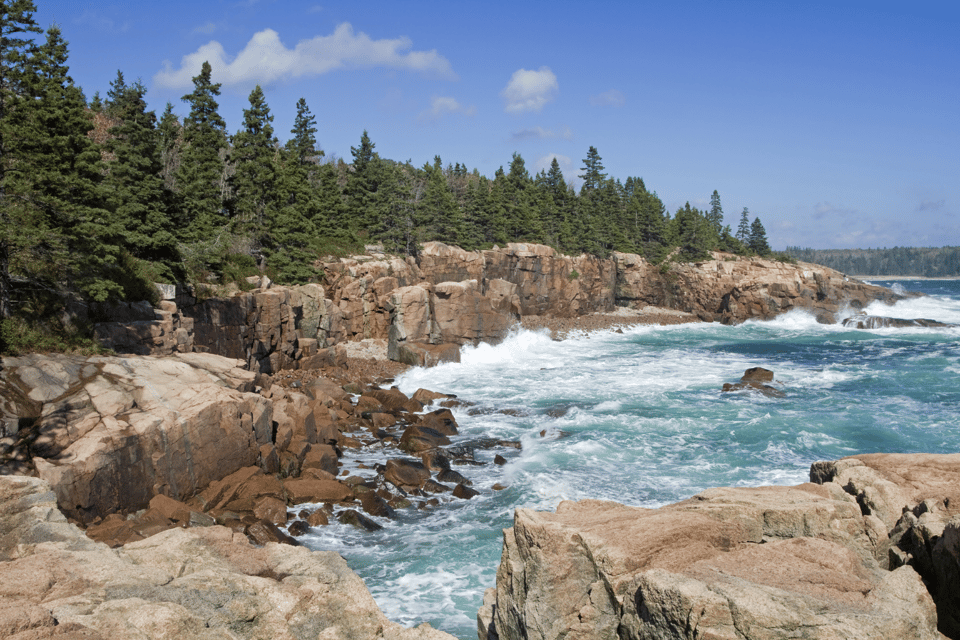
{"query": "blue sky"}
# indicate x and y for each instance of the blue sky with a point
(837, 123)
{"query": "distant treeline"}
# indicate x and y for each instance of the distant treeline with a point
(926, 262)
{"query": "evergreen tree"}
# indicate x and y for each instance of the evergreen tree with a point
(758, 239)
(63, 174)
(290, 238)
(694, 234)
(362, 185)
(20, 226)
(522, 223)
(438, 216)
(115, 95)
(254, 182)
(715, 215)
(743, 230)
(169, 135)
(592, 175)
(135, 180)
(303, 144)
(200, 175)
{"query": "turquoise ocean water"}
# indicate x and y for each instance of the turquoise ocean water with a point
(638, 417)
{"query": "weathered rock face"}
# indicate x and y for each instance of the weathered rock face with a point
(732, 289)
(812, 561)
(114, 432)
(451, 296)
(184, 583)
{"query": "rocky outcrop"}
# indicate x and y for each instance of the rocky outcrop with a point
(183, 583)
(110, 433)
(850, 555)
(451, 296)
(732, 289)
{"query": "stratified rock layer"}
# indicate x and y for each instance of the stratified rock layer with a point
(851, 557)
(208, 583)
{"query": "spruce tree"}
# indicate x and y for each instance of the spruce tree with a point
(200, 175)
(63, 173)
(169, 138)
(715, 215)
(362, 185)
(438, 216)
(20, 231)
(743, 229)
(303, 144)
(137, 193)
(253, 154)
(758, 239)
(592, 175)
(290, 237)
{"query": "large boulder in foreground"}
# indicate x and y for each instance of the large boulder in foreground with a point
(113, 432)
(773, 562)
(208, 583)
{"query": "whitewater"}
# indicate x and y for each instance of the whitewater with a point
(638, 417)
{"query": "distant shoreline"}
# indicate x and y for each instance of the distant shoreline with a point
(905, 277)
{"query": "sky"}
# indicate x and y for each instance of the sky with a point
(837, 123)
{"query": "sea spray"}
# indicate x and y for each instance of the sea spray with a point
(639, 418)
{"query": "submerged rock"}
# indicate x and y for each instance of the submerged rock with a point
(882, 322)
(753, 380)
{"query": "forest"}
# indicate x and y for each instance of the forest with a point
(925, 262)
(101, 197)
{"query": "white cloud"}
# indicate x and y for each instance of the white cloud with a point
(539, 133)
(530, 90)
(442, 105)
(612, 98)
(266, 60)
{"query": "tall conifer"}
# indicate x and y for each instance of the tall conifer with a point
(200, 175)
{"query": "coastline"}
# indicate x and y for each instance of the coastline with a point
(868, 278)
(366, 360)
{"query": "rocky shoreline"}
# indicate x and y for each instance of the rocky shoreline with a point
(178, 462)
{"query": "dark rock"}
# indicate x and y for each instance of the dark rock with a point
(376, 506)
(452, 477)
(405, 473)
(417, 438)
(464, 492)
(357, 519)
(499, 459)
(262, 532)
(441, 421)
(298, 528)
(881, 322)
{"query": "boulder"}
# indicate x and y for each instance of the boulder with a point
(417, 439)
(418, 354)
(774, 562)
(114, 432)
(881, 322)
(754, 379)
(207, 583)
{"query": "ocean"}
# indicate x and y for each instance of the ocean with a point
(638, 417)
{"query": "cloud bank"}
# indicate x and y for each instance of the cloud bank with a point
(265, 60)
(442, 105)
(530, 90)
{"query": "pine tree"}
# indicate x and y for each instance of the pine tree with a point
(169, 136)
(63, 174)
(115, 95)
(138, 196)
(743, 230)
(438, 216)
(303, 144)
(253, 154)
(362, 185)
(200, 176)
(592, 175)
(20, 231)
(758, 239)
(521, 220)
(290, 238)
(715, 215)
